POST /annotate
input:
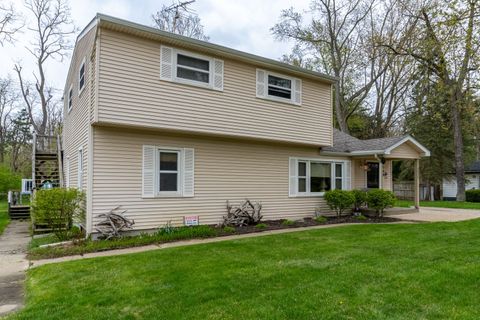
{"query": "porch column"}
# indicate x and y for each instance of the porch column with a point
(416, 184)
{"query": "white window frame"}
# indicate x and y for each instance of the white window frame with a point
(179, 172)
(70, 98)
(276, 98)
(80, 169)
(308, 162)
(211, 65)
(83, 64)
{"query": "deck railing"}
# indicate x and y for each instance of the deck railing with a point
(45, 144)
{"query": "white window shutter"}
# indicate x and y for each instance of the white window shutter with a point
(261, 83)
(218, 74)
(166, 63)
(297, 95)
(293, 178)
(148, 173)
(188, 172)
(347, 175)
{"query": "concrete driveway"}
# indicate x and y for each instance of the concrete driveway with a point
(13, 263)
(429, 214)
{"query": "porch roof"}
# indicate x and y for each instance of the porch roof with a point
(345, 144)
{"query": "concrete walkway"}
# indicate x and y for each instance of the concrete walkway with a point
(430, 214)
(13, 263)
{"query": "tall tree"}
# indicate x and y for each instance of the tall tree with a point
(447, 48)
(9, 23)
(19, 138)
(52, 27)
(178, 18)
(340, 38)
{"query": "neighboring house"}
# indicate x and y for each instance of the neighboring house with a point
(472, 181)
(168, 126)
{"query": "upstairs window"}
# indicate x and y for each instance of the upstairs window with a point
(191, 68)
(70, 98)
(81, 77)
(273, 86)
(194, 69)
(279, 87)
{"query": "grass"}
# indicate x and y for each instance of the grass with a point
(4, 218)
(86, 246)
(440, 204)
(401, 271)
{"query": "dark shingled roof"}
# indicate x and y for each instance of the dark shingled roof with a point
(474, 167)
(343, 142)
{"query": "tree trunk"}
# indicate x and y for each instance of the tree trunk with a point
(339, 112)
(455, 100)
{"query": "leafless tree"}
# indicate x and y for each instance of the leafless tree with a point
(10, 23)
(52, 28)
(179, 19)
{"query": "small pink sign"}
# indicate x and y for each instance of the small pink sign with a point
(190, 220)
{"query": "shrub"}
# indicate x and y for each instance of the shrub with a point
(472, 195)
(360, 217)
(229, 229)
(379, 200)
(288, 222)
(9, 180)
(59, 209)
(360, 198)
(339, 200)
(320, 219)
(261, 226)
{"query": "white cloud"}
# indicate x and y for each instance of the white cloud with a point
(243, 25)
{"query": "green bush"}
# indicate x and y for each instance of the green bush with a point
(261, 226)
(360, 198)
(9, 180)
(229, 229)
(472, 195)
(360, 218)
(320, 219)
(339, 200)
(288, 222)
(379, 200)
(59, 209)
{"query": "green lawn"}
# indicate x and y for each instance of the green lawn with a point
(396, 271)
(441, 204)
(4, 218)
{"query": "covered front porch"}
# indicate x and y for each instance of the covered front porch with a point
(371, 160)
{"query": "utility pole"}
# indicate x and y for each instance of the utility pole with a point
(177, 7)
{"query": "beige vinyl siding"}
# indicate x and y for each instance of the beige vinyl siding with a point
(405, 151)
(131, 93)
(77, 121)
(224, 170)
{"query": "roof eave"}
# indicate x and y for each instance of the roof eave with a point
(104, 20)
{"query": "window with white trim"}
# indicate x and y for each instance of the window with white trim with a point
(310, 177)
(167, 172)
(70, 98)
(274, 86)
(191, 68)
(81, 77)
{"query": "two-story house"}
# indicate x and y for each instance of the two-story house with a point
(168, 126)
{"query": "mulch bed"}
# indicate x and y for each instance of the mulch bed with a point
(306, 222)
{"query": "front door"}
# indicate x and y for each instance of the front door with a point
(373, 175)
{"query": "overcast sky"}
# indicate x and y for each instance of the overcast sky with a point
(240, 24)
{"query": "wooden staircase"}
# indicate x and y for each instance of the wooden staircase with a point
(47, 168)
